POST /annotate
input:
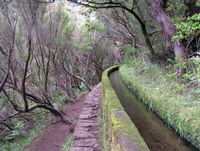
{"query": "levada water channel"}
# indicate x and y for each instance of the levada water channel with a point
(157, 135)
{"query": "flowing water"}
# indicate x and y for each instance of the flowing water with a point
(155, 133)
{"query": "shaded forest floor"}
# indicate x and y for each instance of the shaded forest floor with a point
(55, 134)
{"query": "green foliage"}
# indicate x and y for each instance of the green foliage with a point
(17, 139)
(193, 70)
(85, 45)
(198, 3)
(190, 81)
(91, 30)
(176, 7)
(16, 132)
(130, 52)
(188, 28)
(192, 66)
(192, 77)
(59, 98)
(82, 89)
(95, 25)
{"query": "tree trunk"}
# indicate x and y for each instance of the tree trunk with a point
(169, 30)
(144, 30)
(60, 115)
(147, 40)
(52, 110)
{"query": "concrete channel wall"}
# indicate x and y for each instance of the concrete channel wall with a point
(119, 133)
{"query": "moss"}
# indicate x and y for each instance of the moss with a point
(119, 126)
(161, 96)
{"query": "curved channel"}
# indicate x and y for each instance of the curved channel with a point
(155, 133)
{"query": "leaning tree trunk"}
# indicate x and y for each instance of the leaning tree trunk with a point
(144, 30)
(169, 30)
(51, 109)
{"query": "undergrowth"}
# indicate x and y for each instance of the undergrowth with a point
(18, 138)
(175, 102)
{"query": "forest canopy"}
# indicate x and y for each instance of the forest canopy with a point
(53, 50)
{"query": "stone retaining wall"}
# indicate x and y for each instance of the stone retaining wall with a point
(122, 134)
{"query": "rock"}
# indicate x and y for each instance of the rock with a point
(86, 133)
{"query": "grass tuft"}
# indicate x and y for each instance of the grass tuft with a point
(68, 143)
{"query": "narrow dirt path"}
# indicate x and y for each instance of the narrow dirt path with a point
(86, 134)
(54, 136)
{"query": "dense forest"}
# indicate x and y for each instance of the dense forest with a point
(51, 51)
